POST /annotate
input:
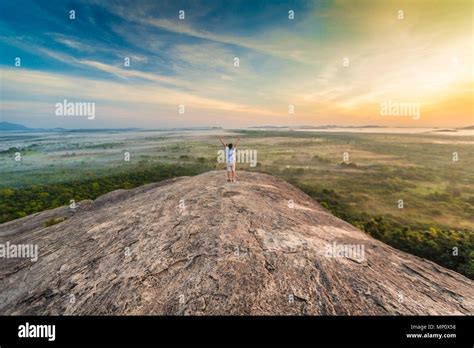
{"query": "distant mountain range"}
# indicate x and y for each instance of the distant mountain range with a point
(16, 127)
(313, 127)
(7, 126)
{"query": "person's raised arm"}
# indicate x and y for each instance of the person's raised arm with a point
(237, 143)
(222, 141)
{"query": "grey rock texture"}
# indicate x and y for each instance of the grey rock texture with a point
(203, 246)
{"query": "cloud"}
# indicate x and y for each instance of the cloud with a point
(281, 62)
(56, 87)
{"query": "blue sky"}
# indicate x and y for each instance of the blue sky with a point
(190, 62)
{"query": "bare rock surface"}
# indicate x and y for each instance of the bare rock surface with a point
(203, 246)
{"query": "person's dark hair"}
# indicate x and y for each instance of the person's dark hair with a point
(229, 146)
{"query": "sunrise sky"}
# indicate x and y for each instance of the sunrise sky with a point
(426, 57)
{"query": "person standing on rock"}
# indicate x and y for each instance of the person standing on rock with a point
(230, 158)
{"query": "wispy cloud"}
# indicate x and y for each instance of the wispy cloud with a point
(424, 57)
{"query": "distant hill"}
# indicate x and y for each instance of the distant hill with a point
(270, 127)
(443, 130)
(313, 127)
(7, 126)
